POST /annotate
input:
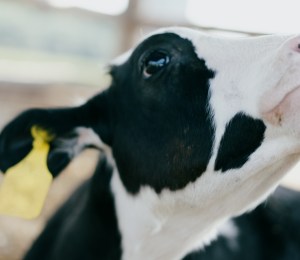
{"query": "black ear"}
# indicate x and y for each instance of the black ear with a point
(16, 140)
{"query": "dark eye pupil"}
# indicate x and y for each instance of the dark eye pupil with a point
(154, 63)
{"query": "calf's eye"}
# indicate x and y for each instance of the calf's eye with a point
(154, 62)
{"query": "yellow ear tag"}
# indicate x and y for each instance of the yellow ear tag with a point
(25, 185)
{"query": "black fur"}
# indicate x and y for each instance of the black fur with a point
(243, 135)
(85, 227)
(163, 133)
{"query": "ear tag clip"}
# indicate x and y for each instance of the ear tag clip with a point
(25, 185)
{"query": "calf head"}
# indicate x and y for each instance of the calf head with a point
(206, 122)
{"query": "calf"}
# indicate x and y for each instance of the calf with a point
(201, 129)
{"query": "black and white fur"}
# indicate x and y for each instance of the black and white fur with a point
(201, 129)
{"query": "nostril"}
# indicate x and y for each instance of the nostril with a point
(297, 48)
(294, 44)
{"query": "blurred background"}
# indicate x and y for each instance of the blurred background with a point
(54, 53)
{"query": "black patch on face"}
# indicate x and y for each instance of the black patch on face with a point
(162, 132)
(243, 135)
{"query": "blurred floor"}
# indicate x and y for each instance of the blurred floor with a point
(17, 234)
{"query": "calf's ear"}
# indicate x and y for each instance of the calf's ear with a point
(63, 123)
